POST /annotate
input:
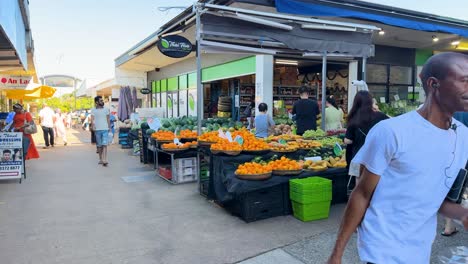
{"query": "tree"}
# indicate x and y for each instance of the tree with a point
(66, 103)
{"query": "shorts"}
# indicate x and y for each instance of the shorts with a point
(102, 137)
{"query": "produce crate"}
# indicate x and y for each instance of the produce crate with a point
(308, 190)
(311, 211)
(165, 172)
(259, 204)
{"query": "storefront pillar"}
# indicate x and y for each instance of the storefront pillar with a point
(264, 82)
(352, 75)
(324, 87)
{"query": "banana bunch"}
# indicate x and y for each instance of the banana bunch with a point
(338, 162)
(315, 165)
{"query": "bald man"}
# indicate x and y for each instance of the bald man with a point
(409, 163)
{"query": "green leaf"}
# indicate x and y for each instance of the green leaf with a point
(164, 43)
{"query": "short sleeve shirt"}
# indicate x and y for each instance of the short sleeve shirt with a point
(100, 118)
(417, 168)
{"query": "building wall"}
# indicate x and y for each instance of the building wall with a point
(190, 65)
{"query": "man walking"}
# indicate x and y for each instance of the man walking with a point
(100, 124)
(409, 163)
(47, 117)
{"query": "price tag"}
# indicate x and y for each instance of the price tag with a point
(221, 134)
(382, 100)
(176, 141)
(239, 140)
(229, 136)
(282, 141)
(337, 149)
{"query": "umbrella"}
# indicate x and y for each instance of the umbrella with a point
(134, 98)
(42, 91)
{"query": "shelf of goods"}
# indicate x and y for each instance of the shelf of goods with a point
(246, 96)
(175, 167)
(224, 106)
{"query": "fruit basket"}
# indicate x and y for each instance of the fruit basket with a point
(287, 172)
(256, 152)
(205, 143)
(227, 152)
(254, 177)
(172, 147)
(175, 149)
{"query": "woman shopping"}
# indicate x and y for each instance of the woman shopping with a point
(21, 120)
(263, 121)
(60, 130)
(333, 115)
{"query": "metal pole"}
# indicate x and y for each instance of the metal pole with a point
(324, 87)
(199, 74)
(364, 63)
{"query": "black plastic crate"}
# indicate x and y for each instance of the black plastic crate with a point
(203, 187)
(259, 204)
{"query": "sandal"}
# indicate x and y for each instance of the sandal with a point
(105, 164)
(100, 162)
(449, 234)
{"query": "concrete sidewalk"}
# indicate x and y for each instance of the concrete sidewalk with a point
(71, 210)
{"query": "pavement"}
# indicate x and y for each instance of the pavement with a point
(71, 210)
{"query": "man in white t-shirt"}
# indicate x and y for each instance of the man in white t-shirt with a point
(409, 163)
(47, 117)
(100, 124)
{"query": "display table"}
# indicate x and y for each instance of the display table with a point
(255, 200)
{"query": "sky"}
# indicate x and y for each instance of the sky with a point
(82, 38)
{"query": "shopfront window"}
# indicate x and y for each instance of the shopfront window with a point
(377, 73)
(391, 82)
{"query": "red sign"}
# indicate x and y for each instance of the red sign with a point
(14, 82)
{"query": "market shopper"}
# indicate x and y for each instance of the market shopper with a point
(263, 121)
(59, 126)
(248, 114)
(21, 120)
(362, 117)
(47, 117)
(306, 111)
(409, 163)
(333, 115)
(100, 124)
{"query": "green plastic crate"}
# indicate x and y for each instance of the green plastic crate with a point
(311, 211)
(322, 195)
(310, 186)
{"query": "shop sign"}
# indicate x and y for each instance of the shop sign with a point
(11, 151)
(14, 82)
(145, 91)
(174, 46)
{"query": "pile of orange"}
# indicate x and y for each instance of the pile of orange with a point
(255, 144)
(163, 135)
(209, 137)
(188, 134)
(226, 146)
(285, 164)
(175, 146)
(193, 143)
(252, 168)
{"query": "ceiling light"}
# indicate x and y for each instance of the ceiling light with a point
(327, 27)
(287, 62)
(435, 38)
(381, 32)
(455, 43)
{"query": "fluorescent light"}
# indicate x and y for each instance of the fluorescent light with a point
(381, 32)
(435, 38)
(190, 20)
(317, 54)
(327, 27)
(172, 33)
(455, 43)
(263, 22)
(462, 48)
(287, 62)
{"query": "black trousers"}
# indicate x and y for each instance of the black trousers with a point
(48, 135)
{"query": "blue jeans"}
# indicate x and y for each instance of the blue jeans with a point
(26, 144)
(102, 137)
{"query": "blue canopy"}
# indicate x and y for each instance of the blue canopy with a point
(310, 9)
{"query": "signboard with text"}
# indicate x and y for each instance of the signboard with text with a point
(14, 82)
(11, 159)
(175, 46)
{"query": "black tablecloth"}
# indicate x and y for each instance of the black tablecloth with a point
(225, 185)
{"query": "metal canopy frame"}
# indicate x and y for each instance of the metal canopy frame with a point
(214, 41)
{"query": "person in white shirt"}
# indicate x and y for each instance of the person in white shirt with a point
(100, 124)
(47, 117)
(408, 165)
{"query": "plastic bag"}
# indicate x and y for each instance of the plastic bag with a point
(454, 255)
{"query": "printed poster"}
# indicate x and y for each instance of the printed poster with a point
(183, 103)
(192, 102)
(11, 150)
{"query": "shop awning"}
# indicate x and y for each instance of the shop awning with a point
(308, 8)
(286, 35)
(40, 92)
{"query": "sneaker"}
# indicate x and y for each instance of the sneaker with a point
(45, 147)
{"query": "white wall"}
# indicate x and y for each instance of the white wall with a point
(130, 78)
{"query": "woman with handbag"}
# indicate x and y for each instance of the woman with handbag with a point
(23, 122)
